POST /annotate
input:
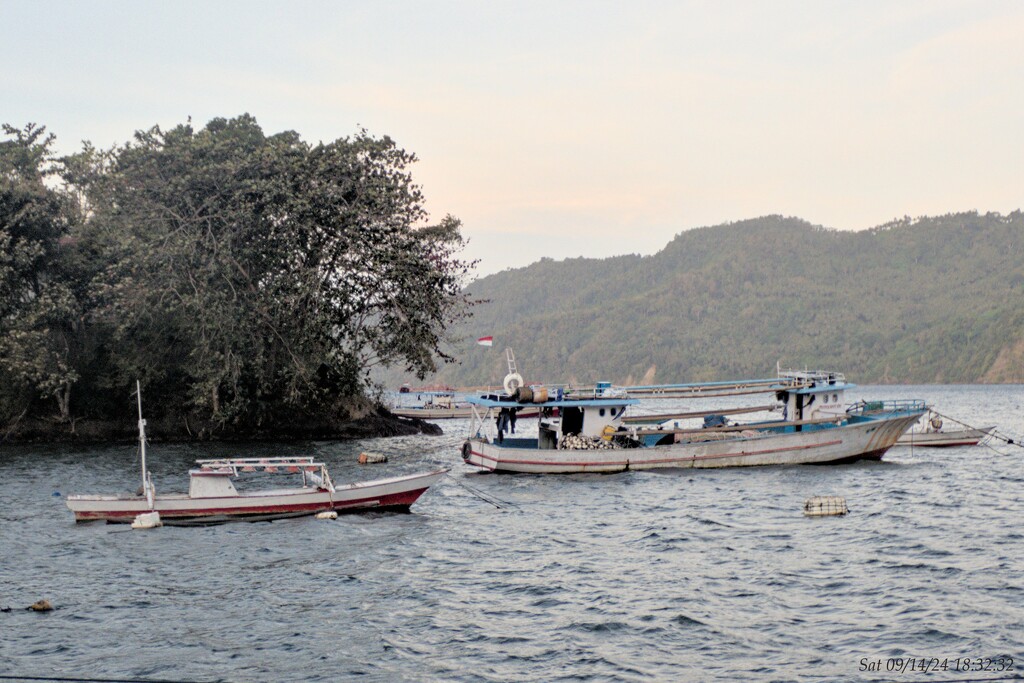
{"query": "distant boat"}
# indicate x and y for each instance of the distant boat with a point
(443, 405)
(212, 496)
(593, 433)
(933, 434)
(440, 402)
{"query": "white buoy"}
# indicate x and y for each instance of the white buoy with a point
(147, 520)
(825, 506)
(328, 514)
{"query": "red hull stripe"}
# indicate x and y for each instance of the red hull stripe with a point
(772, 450)
(396, 500)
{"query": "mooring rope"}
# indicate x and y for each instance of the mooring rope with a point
(991, 435)
(486, 497)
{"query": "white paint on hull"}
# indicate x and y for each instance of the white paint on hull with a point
(267, 503)
(960, 437)
(848, 442)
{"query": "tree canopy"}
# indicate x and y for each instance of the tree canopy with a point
(249, 280)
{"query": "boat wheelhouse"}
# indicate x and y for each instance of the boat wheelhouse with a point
(593, 432)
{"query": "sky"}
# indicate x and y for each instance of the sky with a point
(567, 129)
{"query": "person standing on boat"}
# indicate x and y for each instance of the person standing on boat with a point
(502, 423)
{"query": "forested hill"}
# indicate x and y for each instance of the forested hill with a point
(926, 300)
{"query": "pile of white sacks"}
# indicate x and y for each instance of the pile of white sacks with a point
(578, 442)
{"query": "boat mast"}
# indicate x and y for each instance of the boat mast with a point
(147, 486)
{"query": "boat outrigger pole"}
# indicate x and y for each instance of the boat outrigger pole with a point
(147, 482)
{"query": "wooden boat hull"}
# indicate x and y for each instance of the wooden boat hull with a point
(867, 439)
(454, 413)
(946, 439)
(397, 493)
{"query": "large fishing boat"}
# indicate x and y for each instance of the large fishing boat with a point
(593, 432)
(212, 496)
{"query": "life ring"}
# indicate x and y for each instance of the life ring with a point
(513, 381)
(936, 423)
(467, 450)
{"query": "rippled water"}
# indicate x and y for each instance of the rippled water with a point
(667, 576)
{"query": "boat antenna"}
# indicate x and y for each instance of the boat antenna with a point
(147, 485)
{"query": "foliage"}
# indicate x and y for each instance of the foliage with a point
(37, 307)
(248, 280)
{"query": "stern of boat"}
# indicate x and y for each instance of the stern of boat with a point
(473, 454)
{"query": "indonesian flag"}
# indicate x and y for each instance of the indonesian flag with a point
(485, 341)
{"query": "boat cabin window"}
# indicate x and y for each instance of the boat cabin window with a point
(835, 398)
(601, 412)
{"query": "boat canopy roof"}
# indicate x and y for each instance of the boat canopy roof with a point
(567, 402)
(732, 384)
(815, 388)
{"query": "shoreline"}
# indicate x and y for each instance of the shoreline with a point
(379, 423)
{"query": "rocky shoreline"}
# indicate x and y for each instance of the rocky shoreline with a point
(380, 422)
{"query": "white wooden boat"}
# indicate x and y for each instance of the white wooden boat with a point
(212, 496)
(594, 434)
(932, 433)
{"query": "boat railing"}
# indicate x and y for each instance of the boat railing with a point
(312, 471)
(805, 377)
(286, 464)
(909, 405)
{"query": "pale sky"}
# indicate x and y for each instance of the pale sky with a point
(568, 129)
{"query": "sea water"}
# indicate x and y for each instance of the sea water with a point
(639, 576)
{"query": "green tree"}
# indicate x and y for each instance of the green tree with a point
(38, 310)
(266, 276)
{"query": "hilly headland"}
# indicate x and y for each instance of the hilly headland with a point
(926, 300)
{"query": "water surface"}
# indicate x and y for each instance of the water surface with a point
(638, 576)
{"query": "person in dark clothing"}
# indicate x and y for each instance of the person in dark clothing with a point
(502, 423)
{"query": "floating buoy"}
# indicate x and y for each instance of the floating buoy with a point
(147, 520)
(328, 514)
(825, 506)
(41, 606)
(368, 458)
